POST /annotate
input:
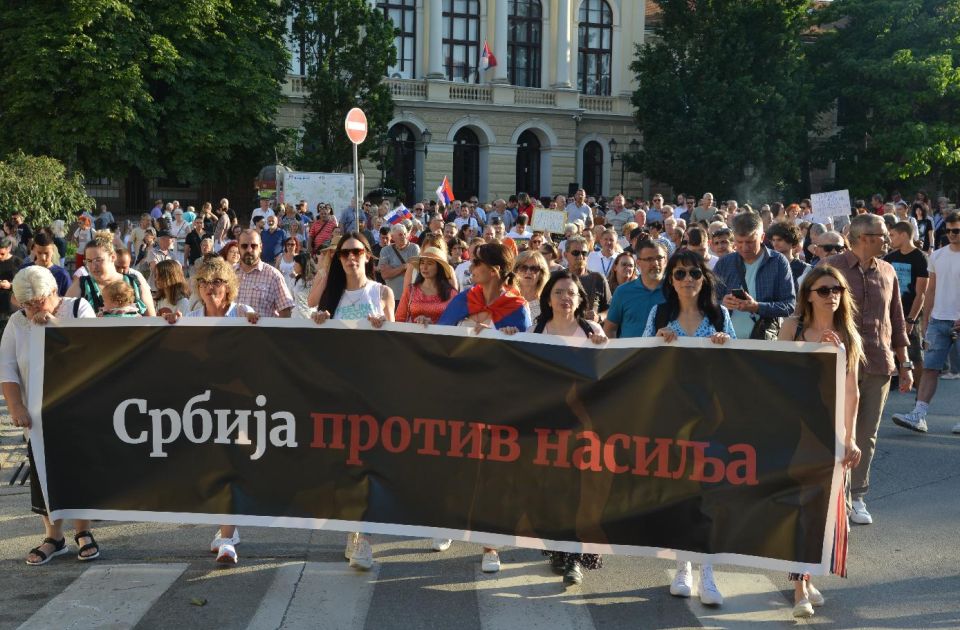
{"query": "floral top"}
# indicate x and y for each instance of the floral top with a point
(414, 303)
(705, 329)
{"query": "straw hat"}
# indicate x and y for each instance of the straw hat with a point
(436, 255)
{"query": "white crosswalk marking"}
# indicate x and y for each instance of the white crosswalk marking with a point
(529, 595)
(303, 590)
(107, 596)
(749, 599)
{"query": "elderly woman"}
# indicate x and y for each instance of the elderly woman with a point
(231, 252)
(36, 290)
(218, 285)
(532, 273)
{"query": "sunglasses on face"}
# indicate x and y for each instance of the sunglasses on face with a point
(681, 274)
(833, 248)
(653, 259)
(827, 291)
(530, 268)
(358, 251)
(216, 283)
(952, 231)
(577, 253)
(246, 246)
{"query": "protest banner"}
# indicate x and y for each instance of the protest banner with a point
(579, 448)
(548, 221)
(827, 207)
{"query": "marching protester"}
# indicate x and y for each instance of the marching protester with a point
(100, 258)
(173, 292)
(43, 252)
(911, 266)
(690, 309)
(231, 252)
(633, 301)
(876, 292)
(425, 299)
(826, 314)
(303, 273)
(285, 261)
(624, 270)
(261, 285)
(595, 284)
(532, 274)
(350, 293)
(394, 258)
(36, 291)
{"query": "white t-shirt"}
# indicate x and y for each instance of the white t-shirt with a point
(257, 213)
(360, 303)
(464, 277)
(519, 236)
(235, 310)
(945, 263)
(596, 261)
(163, 306)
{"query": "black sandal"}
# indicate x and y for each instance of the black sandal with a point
(59, 548)
(91, 545)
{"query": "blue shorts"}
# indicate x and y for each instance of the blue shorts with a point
(940, 337)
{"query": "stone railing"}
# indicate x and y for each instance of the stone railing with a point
(535, 97)
(597, 103)
(407, 89)
(474, 93)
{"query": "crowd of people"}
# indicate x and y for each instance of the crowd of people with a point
(883, 283)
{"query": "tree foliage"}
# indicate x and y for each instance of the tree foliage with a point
(179, 88)
(721, 88)
(893, 69)
(41, 189)
(349, 46)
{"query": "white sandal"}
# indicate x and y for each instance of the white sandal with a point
(218, 541)
(227, 554)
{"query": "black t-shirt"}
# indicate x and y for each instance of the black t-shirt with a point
(909, 267)
(598, 290)
(924, 226)
(193, 241)
(8, 269)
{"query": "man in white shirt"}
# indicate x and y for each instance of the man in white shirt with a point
(602, 261)
(578, 209)
(263, 211)
(519, 232)
(464, 218)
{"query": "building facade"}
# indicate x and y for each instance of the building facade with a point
(553, 113)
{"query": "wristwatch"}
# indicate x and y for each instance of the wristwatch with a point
(912, 322)
(906, 365)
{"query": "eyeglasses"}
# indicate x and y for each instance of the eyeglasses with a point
(653, 259)
(827, 291)
(530, 268)
(681, 274)
(952, 230)
(246, 246)
(577, 253)
(216, 283)
(357, 251)
(834, 248)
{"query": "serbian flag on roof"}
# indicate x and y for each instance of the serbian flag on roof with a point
(398, 214)
(487, 60)
(445, 192)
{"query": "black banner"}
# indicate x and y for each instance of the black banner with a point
(634, 447)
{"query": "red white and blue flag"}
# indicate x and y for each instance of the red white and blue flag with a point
(398, 214)
(445, 192)
(487, 60)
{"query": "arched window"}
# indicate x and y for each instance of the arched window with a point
(461, 40)
(403, 14)
(596, 46)
(466, 164)
(593, 169)
(528, 163)
(524, 43)
(402, 171)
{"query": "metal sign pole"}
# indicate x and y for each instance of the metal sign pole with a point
(356, 188)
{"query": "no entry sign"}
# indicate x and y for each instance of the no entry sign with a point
(356, 125)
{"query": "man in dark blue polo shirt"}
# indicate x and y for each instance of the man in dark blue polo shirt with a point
(633, 301)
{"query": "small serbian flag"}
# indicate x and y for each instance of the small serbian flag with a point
(398, 214)
(487, 60)
(445, 192)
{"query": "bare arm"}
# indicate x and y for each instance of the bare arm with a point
(929, 298)
(610, 328)
(147, 298)
(18, 411)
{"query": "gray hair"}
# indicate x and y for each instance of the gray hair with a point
(817, 229)
(33, 282)
(7, 243)
(398, 228)
(746, 223)
(576, 240)
(863, 223)
(832, 235)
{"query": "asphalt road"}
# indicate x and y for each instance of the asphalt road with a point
(904, 570)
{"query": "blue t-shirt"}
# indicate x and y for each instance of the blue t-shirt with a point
(272, 244)
(60, 275)
(705, 329)
(742, 321)
(456, 312)
(631, 307)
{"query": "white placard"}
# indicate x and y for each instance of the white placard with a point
(828, 205)
(333, 188)
(548, 221)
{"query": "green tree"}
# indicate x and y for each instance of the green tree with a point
(892, 69)
(41, 189)
(178, 88)
(720, 88)
(349, 46)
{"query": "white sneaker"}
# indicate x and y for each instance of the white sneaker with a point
(950, 376)
(351, 545)
(227, 554)
(914, 421)
(860, 515)
(956, 428)
(362, 557)
(816, 597)
(803, 609)
(441, 544)
(218, 540)
(490, 562)
(709, 593)
(682, 585)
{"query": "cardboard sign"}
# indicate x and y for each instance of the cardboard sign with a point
(548, 221)
(829, 205)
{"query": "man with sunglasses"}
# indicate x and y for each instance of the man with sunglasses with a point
(941, 323)
(262, 287)
(875, 289)
(595, 284)
(633, 301)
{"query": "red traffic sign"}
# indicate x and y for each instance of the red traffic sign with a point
(356, 125)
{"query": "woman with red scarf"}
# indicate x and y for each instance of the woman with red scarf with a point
(494, 301)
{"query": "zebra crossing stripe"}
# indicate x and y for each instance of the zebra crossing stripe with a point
(107, 596)
(529, 595)
(749, 600)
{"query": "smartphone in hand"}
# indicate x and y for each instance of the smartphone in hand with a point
(740, 294)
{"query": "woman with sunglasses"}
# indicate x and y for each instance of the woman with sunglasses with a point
(350, 293)
(691, 310)
(532, 274)
(825, 314)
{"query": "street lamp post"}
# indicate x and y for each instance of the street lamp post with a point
(634, 148)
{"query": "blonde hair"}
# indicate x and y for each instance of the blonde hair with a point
(843, 318)
(119, 293)
(213, 267)
(537, 259)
